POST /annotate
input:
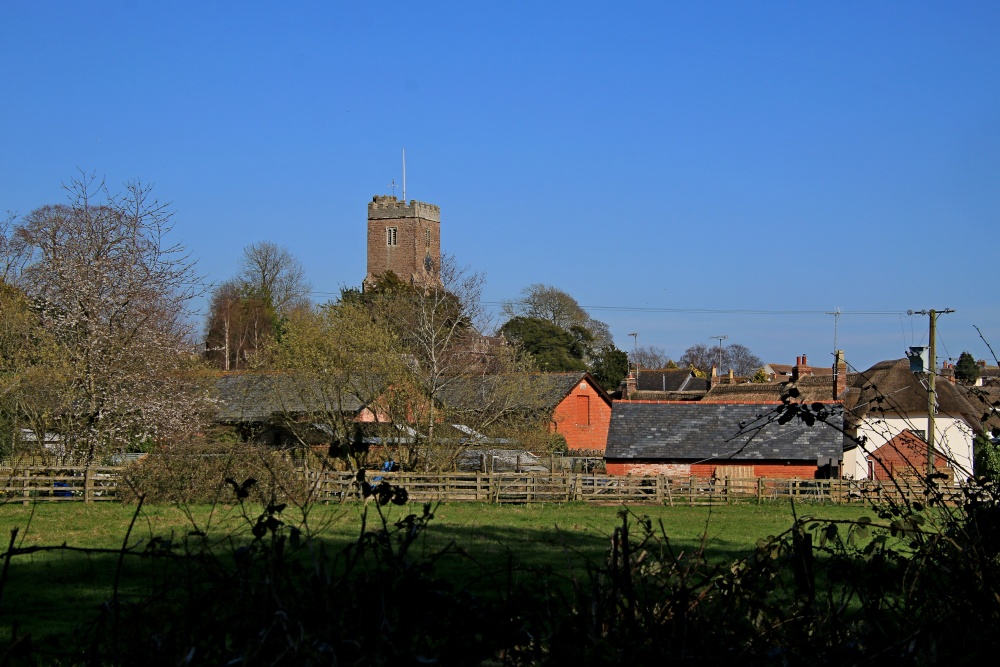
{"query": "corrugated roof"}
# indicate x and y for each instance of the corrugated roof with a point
(700, 431)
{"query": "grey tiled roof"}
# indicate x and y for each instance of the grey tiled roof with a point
(700, 431)
(253, 397)
(545, 390)
(665, 379)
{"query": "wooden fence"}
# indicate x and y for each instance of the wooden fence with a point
(94, 484)
(38, 483)
(607, 489)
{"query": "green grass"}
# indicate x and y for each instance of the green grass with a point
(52, 592)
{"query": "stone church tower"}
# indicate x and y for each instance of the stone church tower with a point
(405, 239)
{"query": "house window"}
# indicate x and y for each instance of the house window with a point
(390, 236)
(583, 410)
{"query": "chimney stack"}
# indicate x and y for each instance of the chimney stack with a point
(630, 385)
(800, 368)
(839, 374)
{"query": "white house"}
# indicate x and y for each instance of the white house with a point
(887, 399)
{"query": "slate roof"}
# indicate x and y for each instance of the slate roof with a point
(258, 397)
(548, 388)
(667, 379)
(701, 432)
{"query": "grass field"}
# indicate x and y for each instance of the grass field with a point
(51, 592)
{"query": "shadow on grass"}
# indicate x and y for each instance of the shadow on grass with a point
(406, 586)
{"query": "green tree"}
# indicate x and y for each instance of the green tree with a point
(552, 347)
(987, 458)
(610, 367)
(335, 358)
(967, 370)
(34, 383)
(556, 306)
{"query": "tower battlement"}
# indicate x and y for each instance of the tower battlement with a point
(387, 207)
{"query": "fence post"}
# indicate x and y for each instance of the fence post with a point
(760, 490)
(26, 483)
(87, 481)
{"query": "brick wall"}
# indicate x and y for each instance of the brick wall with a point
(418, 236)
(583, 427)
(903, 456)
(650, 469)
(778, 469)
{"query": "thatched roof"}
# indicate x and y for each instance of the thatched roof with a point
(890, 387)
(808, 389)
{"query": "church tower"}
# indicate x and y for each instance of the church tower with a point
(404, 238)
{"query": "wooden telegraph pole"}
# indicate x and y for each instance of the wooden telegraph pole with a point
(931, 373)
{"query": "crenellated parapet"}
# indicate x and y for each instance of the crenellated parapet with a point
(387, 207)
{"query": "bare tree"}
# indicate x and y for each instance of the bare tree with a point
(546, 303)
(465, 377)
(701, 357)
(743, 362)
(271, 272)
(238, 325)
(556, 306)
(650, 356)
(737, 357)
(12, 251)
(113, 291)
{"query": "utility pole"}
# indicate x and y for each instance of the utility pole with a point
(635, 352)
(720, 339)
(932, 371)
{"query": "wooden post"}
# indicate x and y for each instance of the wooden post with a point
(26, 481)
(88, 491)
(670, 495)
(760, 490)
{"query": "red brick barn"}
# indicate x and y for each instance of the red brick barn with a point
(581, 409)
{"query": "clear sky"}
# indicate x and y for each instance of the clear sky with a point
(652, 159)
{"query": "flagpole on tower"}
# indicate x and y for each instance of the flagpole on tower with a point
(404, 175)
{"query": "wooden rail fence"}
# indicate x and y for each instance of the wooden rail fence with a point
(38, 483)
(96, 484)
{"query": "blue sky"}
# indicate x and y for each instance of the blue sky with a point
(651, 159)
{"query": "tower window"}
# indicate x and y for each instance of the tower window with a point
(427, 237)
(390, 236)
